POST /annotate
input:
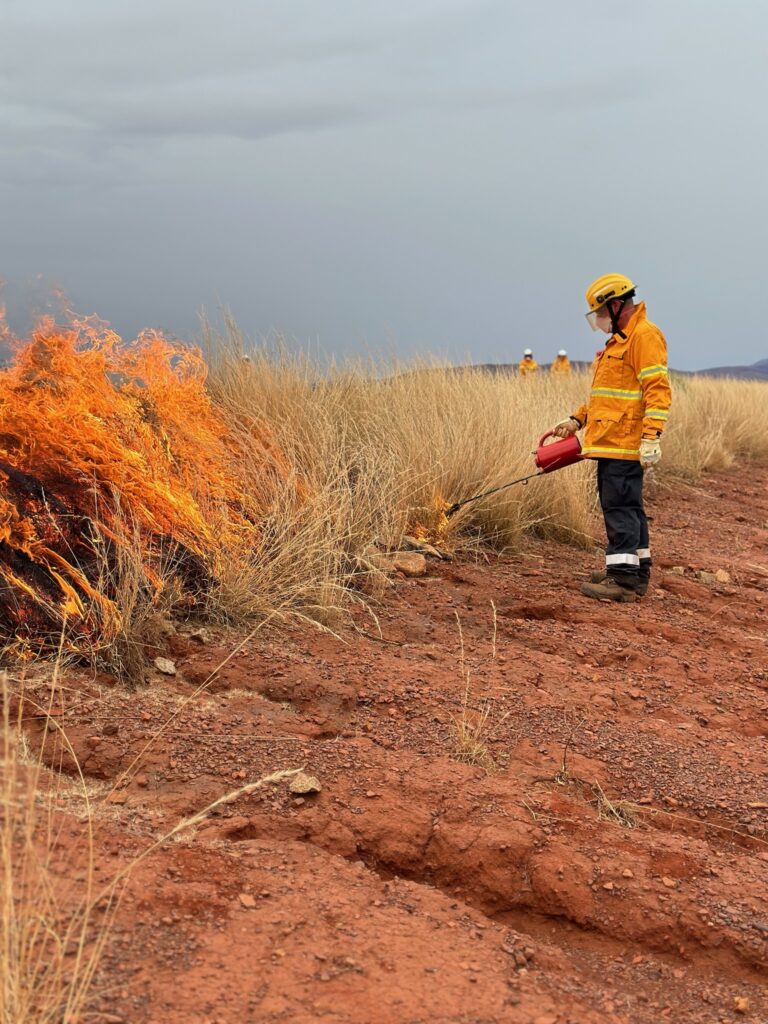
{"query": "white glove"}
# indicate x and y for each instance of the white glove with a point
(566, 427)
(650, 451)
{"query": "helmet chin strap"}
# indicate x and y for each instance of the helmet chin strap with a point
(615, 320)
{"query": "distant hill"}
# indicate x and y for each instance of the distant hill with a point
(757, 371)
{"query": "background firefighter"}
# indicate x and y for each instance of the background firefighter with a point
(527, 364)
(561, 365)
(623, 422)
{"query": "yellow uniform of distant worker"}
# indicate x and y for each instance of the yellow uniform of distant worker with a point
(527, 364)
(561, 367)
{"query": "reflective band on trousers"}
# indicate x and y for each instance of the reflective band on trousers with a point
(643, 553)
(622, 560)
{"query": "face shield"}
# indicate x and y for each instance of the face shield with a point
(600, 320)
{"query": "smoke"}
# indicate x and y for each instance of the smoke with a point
(24, 304)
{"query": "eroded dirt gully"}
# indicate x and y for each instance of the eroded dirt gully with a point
(413, 888)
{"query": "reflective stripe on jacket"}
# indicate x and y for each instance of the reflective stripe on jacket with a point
(630, 396)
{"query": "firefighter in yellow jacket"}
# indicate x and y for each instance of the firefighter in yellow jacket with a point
(623, 422)
(527, 364)
(561, 366)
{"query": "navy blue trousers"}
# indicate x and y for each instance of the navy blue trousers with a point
(620, 487)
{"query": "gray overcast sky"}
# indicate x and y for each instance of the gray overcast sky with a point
(429, 175)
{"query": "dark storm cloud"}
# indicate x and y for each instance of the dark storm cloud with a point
(156, 72)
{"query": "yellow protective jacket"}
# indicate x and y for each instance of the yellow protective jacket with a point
(561, 366)
(630, 396)
(527, 366)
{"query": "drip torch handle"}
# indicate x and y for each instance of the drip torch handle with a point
(494, 490)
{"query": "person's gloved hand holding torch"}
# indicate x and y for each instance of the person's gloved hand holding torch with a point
(565, 428)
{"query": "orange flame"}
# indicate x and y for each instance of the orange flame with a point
(433, 523)
(102, 443)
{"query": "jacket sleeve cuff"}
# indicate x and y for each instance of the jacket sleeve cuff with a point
(580, 415)
(653, 427)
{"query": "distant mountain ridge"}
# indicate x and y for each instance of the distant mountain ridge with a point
(757, 371)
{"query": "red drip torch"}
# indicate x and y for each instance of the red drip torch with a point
(548, 457)
(563, 452)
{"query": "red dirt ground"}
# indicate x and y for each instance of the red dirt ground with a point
(417, 889)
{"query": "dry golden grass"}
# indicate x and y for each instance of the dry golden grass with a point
(379, 447)
(714, 424)
(145, 610)
(473, 727)
(50, 944)
(618, 812)
(372, 453)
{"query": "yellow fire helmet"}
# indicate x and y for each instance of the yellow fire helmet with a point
(609, 286)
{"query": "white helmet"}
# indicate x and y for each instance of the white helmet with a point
(562, 352)
(528, 352)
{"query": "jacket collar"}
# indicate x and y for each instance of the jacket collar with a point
(637, 317)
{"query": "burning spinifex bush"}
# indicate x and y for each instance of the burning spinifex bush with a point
(113, 458)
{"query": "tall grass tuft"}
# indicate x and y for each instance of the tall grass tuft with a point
(715, 424)
(49, 947)
(376, 448)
